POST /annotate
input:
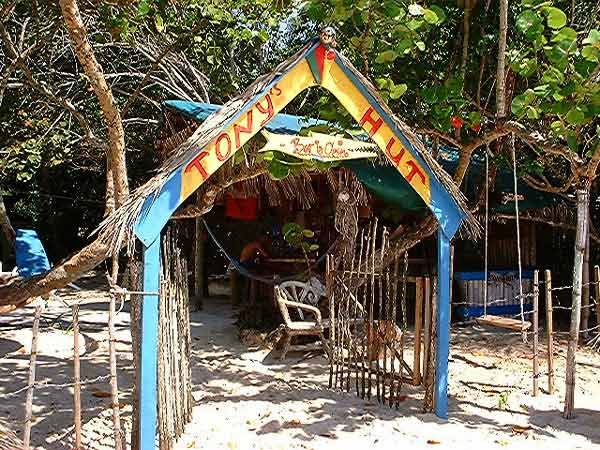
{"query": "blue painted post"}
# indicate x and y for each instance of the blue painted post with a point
(443, 327)
(149, 347)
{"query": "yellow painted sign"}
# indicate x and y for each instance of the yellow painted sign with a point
(321, 147)
(231, 139)
(340, 85)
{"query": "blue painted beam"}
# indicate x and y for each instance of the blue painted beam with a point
(149, 348)
(443, 327)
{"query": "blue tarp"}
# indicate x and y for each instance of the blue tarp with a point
(30, 254)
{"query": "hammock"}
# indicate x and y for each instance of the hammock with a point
(243, 270)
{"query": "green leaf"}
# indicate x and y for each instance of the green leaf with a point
(397, 91)
(530, 24)
(420, 45)
(558, 54)
(393, 10)
(414, 24)
(565, 34)
(439, 12)
(308, 233)
(556, 18)
(475, 117)
(160, 24)
(386, 56)
(521, 102)
(430, 16)
(313, 247)
(382, 83)
(572, 141)
(263, 35)
(590, 53)
(278, 170)
(575, 116)
(593, 38)
(525, 67)
(415, 10)
(405, 46)
(143, 8)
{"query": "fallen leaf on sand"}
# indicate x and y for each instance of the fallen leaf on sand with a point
(519, 429)
(328, 434)
(100, 394)
(502, 442)
(191, 444)
(433, 442)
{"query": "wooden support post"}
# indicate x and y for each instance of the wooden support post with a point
(76, 379)
(549, 331)
(426, 329)
(31, 380)
(148, 358)
(583, 197)
(443, 327)
(114, 389)
(199, 275)
(536, 367)
(597, 296)
(419, 286)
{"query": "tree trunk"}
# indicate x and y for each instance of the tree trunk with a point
(108, 105)
(500, 74)
(7, 230)
(585, 287)
(17, 293)
(583, 197)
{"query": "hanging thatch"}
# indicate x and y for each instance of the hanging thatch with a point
(119, 226)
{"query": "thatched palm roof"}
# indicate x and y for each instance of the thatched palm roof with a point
(120, 225)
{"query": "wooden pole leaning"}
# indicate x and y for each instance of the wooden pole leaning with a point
(549, 331)
(31, 377)
(76, 379)
(536, 367)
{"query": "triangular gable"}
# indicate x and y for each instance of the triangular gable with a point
(226, 131)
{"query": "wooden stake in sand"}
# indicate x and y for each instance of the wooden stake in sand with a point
(536, 371)
(549, 331)
(418, 325)
(583, 197)
(76, 379)
(114, 390)
(31, 381)
(597, 295)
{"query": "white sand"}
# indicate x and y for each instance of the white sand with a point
(246, 399)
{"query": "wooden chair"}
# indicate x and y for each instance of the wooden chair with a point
(294, 328)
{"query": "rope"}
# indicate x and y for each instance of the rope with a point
(514, 157)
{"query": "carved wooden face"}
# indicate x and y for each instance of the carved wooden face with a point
(327, 36)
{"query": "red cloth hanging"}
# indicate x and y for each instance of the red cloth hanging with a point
(241, 208)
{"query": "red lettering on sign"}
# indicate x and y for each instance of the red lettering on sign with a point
(268, 110)
(237, 129)
(198, 164)
(397, 157)
(414, 170)
(367, 118)
(220, 155)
